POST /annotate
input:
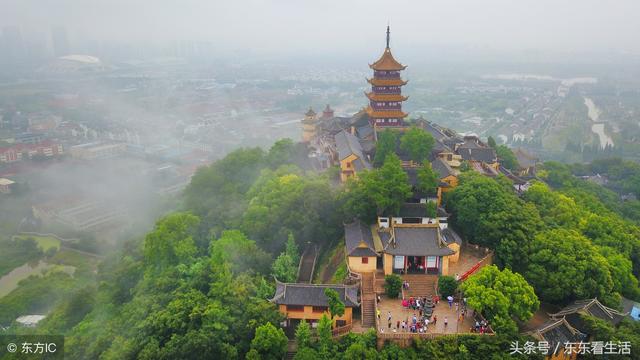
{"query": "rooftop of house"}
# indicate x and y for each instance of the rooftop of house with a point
(415, 240)
(313, 294)
(483, 154)
(591, 307)
(442, 168)
(558, 331)
(631, 307)
(359, 239)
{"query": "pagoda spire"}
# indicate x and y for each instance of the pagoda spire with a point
(388, 36)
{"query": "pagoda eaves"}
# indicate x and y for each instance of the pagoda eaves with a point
(387, 82)
(397, 114)
(385, 97)
(387, 62)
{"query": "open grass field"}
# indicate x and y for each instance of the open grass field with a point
(44, 242)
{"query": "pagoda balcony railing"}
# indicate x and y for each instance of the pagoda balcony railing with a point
(379, 90)
(386, 108)
(387, 74)
(392, 76)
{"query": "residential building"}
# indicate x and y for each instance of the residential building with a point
(19, 152)
(97, 150)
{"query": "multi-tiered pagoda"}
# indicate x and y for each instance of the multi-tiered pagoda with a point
(385, 98)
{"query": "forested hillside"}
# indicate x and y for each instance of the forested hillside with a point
(197, 285)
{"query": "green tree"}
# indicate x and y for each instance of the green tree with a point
(325, 336)
(269, 342)
(359, 350)
(240, 252)
(565, 266)
(447, 285)
(281, 152)
(303, 334)
(386, 144)
(392, 285)
(336, 306)
(377, 191)
(506, 157)
(283, 203)
(428, 180)
(216, 193)
(488, 213)
(491, 142)
(291, 249)
(417, 143)
(501, 296)
(432, 209)
(306, 353)
(172, 241)
(284, 269)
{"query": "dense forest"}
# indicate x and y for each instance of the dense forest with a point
(197, 285)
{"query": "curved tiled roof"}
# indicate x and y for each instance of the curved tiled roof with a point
(385, 97)
(387, 82)
(313, 294)
(393, 114)
(387, 62)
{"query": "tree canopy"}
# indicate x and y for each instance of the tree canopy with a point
(565, 266)
(428, 179)
(385, 145)
(417, 143)
(506, 157)
(377, 191)
(501, 295)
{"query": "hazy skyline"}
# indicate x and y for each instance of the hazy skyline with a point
(334, 27)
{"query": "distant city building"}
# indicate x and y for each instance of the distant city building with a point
(97, 150)
(11, 45)
(6, 185)
(60, 41)
(30, 320)
(28, 138)
(19, 152)
(80, 214)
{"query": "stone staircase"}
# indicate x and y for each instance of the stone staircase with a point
(379, 283)
(420, 284)
(367, 306)
(292, 348)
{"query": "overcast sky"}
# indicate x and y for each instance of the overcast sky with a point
(343, 26)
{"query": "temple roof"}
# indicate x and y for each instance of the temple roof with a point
(442, 168)
(347, 144)
(417, 241)
(387, 82)
(387, 62)
(558, 332)
(358, 239)
(385, 97)
(391, 114)
(310, 112)
(591, 307)
(313, 295)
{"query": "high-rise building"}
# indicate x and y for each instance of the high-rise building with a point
(385, 98)
(60, 41)
(12, 45)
